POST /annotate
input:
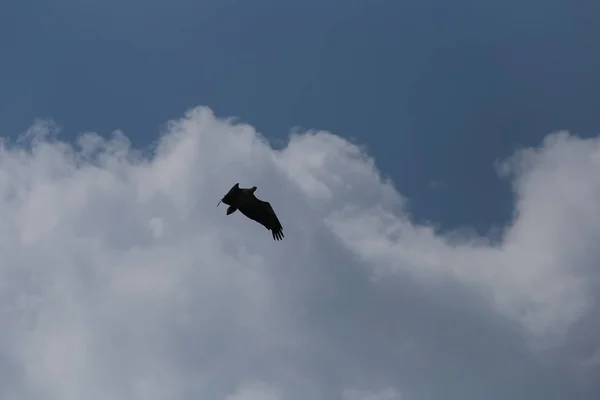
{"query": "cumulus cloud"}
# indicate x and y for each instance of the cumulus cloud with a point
(539, 274)
(120, 279)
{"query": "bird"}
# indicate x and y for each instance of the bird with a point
(243, 199)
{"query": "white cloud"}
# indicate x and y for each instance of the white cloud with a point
(539, 273)
(120, 279)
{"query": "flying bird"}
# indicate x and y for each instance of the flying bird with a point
(243, 199)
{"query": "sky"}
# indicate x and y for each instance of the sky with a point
(433, 166)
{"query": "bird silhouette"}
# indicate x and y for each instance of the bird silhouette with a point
(243, 199)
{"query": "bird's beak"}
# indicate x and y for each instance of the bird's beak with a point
(219, 203)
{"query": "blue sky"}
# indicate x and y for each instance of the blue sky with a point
(437, 91)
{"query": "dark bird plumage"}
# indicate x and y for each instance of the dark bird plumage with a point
(243, 199)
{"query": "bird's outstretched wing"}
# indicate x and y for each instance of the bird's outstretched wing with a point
(262, 212)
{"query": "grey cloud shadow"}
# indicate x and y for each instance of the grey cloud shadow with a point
(435, 342)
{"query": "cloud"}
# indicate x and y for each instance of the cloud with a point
(120, 279)
(539, 273)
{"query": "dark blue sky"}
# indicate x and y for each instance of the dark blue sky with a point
(437, 90)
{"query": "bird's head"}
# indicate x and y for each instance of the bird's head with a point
(230, 195)
(253, 189)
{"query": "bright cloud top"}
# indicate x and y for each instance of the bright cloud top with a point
(121, 280)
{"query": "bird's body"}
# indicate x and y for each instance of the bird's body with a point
(244, 200)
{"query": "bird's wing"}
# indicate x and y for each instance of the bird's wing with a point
(262, 212)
